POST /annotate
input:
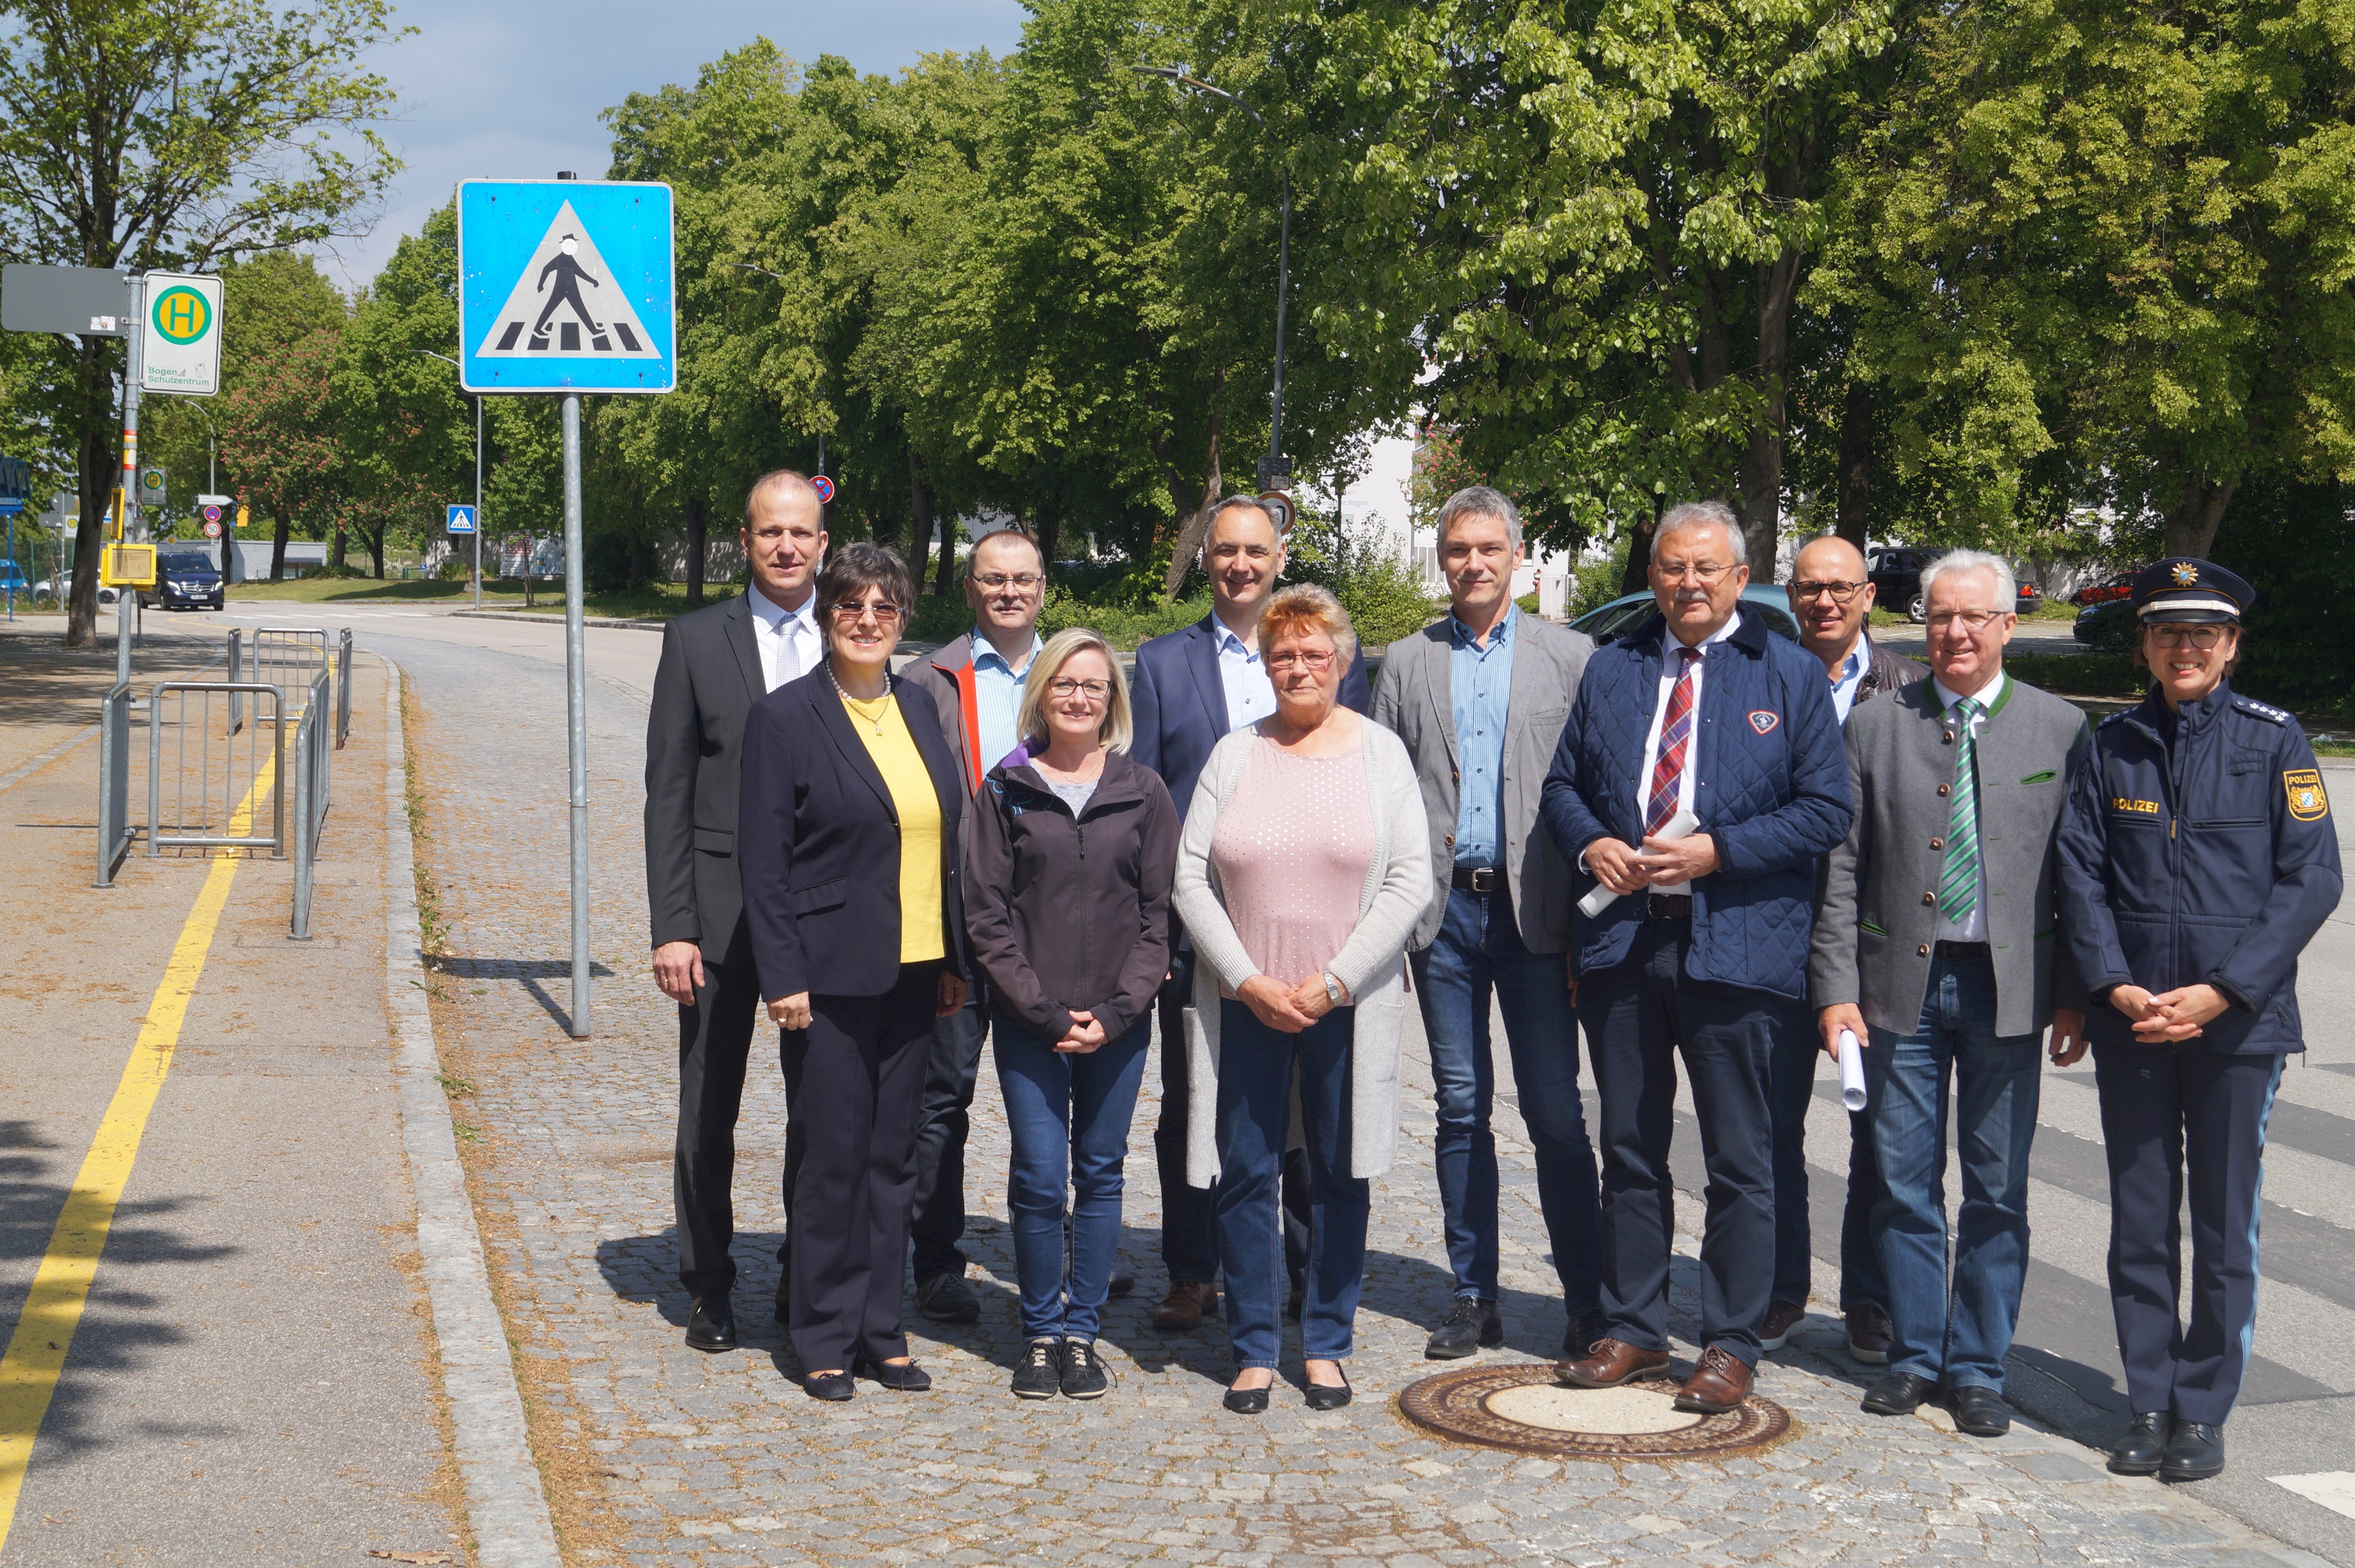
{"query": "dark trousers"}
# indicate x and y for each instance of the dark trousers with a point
(854, 1090)
(2166, 1111)
(1638, 1017)
(951, 1070)
(1189, 1226)
(1797, 1047)
(715, 1037)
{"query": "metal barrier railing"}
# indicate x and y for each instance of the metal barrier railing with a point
(288, 657)
(315, 743)
(343, 689)
(114, 830)
(169, 712)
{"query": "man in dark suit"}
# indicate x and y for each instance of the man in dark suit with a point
(716, 663)
(1192, 687)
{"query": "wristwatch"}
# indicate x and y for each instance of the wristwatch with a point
(1333, 990)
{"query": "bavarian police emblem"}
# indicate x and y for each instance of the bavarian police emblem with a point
(2186, 574)
(2307, 801)
(1764, 722)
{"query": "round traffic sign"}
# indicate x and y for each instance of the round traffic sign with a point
(181, 314)
(212, 527)
(1279, 509)
(824, 488)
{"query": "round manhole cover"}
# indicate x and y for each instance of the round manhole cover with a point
(1520, 1406)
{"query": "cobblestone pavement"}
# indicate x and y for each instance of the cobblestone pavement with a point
(657, 1455)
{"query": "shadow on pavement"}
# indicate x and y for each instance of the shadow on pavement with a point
(530, 971)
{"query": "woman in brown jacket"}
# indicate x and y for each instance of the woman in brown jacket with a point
(1068, 856)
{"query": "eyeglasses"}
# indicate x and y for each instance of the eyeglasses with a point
(1707, 576)
(1304, 659)
(851, 610)
(1065, 686)
(2201, 637)
(1841, 593)
(1024, 581)
(1974, 621)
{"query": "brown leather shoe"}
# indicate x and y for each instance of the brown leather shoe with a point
(1184, 1307)
(1782, 1316)
(1869, 1333)
(1611, 1362)
(1716, 1385)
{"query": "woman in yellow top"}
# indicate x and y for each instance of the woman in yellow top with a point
(847, 841)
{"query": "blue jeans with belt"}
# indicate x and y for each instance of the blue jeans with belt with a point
(1953, 1327)
(1069, 1114)
(1254, 1111)
(1478, 952)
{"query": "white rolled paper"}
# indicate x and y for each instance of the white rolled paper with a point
(1852, 1066)
(1600, 898)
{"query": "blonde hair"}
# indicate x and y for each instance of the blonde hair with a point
(1305, 606)
(1030, 719)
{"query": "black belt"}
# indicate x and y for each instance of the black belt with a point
(1480, 879)
(1659, 906)
(1963, 950)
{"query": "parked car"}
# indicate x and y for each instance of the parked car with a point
(2108, 625)
(58, 587)
(2118, 585)
(185, 580)
(1624, 613)
(1896, 576)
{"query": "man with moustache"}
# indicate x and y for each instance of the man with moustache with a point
(1192, 687)
(716, 663)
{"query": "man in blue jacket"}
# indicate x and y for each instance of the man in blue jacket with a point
(1703, 950)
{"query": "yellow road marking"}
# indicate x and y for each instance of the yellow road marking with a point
(36, 1355)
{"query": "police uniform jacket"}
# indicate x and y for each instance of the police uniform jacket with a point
(2210, 860)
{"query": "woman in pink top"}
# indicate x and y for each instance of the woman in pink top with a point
(1304, 865)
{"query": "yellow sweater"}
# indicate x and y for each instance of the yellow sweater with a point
(919, 809)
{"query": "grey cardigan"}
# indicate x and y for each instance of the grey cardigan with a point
(1876, 914)
(1371, 966)
(1416, 698)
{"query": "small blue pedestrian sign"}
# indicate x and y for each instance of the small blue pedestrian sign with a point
(566, 286)
(461, 519)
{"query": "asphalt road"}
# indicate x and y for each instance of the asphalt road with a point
(2301, 1385)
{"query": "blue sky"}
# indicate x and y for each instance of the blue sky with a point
(512, 88)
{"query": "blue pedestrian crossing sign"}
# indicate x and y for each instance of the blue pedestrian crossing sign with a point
(566, 286)
(461, 519)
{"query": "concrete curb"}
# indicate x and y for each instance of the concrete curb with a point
(624, 622)
(504, 1500)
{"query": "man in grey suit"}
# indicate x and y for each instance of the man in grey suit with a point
(1935, 949)
(1480, 698)
(716, 663)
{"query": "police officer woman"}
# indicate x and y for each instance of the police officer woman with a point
(2197, 860)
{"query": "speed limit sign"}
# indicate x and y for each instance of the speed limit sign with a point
(212, 528)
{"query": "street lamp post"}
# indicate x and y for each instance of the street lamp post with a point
(1274, 469)
(479, 474)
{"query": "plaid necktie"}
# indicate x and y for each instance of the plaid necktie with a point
(1676, 740)
(1958, 887)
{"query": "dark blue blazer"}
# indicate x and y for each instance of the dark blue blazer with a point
(1770, 786)
(817, 838)
(1180, 704)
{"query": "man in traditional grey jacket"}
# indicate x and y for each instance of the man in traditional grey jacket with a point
(1936, 949)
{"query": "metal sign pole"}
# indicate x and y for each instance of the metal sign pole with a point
(575, 694)
(478, 500)
(126, 508)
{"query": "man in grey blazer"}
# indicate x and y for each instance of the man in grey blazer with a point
(1936, 949)
(716, 663)
(1480, 698)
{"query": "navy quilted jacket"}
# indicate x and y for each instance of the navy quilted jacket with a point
(1769, 787)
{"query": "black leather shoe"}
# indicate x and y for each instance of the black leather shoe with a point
(2143, 1446)
(711, 1324)
(834, 1388)
(1899, 1394)
(1583, 1331)
(1247, 1401)
(1122, 1282)
(946, 1298)
(1980, 1411)
(1471, 1324)
(906, 1377)
(2194, 1453)
(1323, 1398)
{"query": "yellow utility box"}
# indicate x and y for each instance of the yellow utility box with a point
(127, 566)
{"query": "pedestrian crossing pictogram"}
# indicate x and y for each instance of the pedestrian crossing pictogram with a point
(567, 302)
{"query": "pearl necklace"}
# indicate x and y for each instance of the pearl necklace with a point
(852, 705)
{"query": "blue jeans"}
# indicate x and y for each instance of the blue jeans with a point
(1069, 1115)
(1953, 1327)
(1255, 1067)
(1478, 951)
(1797, 1047)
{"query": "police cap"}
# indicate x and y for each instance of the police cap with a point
(2186, 591)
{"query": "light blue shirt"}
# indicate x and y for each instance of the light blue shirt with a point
(1480, 683)
(1250, 695)
(1850, 676)
(997, 699)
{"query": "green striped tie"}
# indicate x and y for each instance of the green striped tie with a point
(1959, 889)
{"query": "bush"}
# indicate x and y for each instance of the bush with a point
(1384, 597)
(1595, 583)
